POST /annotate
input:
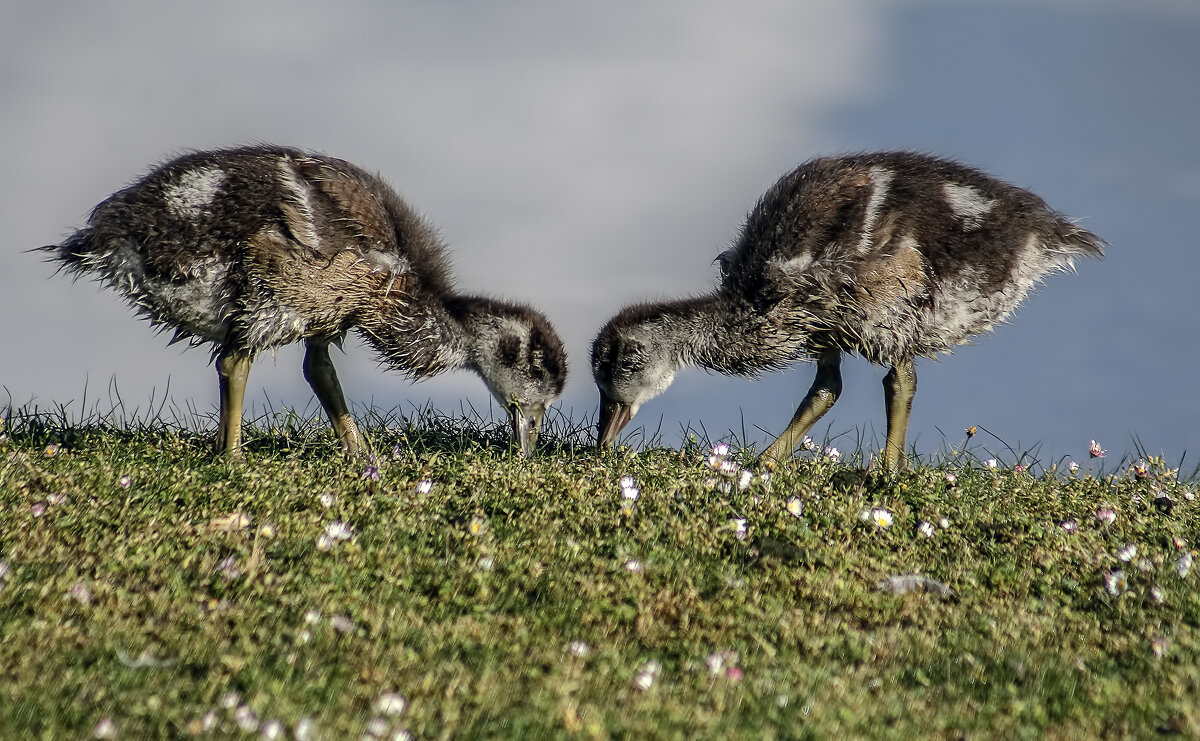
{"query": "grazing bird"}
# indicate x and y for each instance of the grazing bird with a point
(257, 247)
(888, 255)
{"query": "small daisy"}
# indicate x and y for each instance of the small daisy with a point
(52, 450)
(266, 530)
(629, 489)
(37, 509)
(745, 479)
(647, 673)
(1019, 468)
(485, 563)
(990, 463)
(1140, 468)
(125, 481)
(881, 517)
(476, 526)
(55, 498)
(795, 507)
(833, 453)
(926, 529)
(105, 729)
(944, 523)
(720, 450)
(246, 718)
(230, 700)
(1071, 526)
(808, 444)
(739, 528)
(208, 721)
(1159, 647)
(1184, 564)
(1073, 467)
(1095, 451)
(326, 499)
(1157, 594)
(312, 617)
(424, 486)
(633, 565)
(951, 478)
(390, 703)
(579, 648)
(304, 729)
(338, 530)
(376, 727)
(1106, 515)
(1116, 582)
(272, 730)
(1127, 553)
(342, 623)
(971, 431)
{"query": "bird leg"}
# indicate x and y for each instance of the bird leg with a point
(233, 368)
(826, 388)
(321, 375)
(899, 386)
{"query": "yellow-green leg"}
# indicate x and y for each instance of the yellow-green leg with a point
(321, 375)
(233, 368)
(899, 386)
(826, 388)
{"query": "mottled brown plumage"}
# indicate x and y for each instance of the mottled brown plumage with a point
(888, 255)
(257, 247)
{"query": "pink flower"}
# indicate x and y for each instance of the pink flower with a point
(1095, 451)
(1106, 515)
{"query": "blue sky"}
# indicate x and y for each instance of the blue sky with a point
(581, 156)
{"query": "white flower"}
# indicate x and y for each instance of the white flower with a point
(1073, 467)
(1157, 594)
(633, 565)
(105, 729)
(944, 523)
(390, 703)
(716, 662)
(208, 721)
(338, 530)
(926, 529)
(629, 489)
(833, 453)
(1071, 526)
(485, 563)
(1116, 582)
(1184, 564)
(246, 718)
(324, 542)
(230, 700)
(739, 527)
(304, 729)
(745, 479)
(326, 499)
(272, 729)
(720, 450)
(795, 507)
(808, 444)
(342, 623)
(647, 673)
(990, 463)
(376, 727)
(579, 648)
(881, 517)
(1106, 515)
(1127, 553)
(1095, 451)
(424, 486)
(951, 478)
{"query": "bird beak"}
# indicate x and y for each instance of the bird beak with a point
(525, 425)
(614, 415)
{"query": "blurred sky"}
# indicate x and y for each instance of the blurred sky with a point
(580, 156)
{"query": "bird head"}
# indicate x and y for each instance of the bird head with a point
(522, 361)
(632, 364)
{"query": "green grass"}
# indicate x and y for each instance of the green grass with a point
(154, 608)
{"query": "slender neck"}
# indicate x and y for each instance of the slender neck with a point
(727, 336)
(419, 337)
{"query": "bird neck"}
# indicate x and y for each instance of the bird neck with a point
(418, 337)
(718, 334)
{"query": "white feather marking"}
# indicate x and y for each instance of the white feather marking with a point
(306, 232)
(881, 178)
(967, 203)
(193, 192)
